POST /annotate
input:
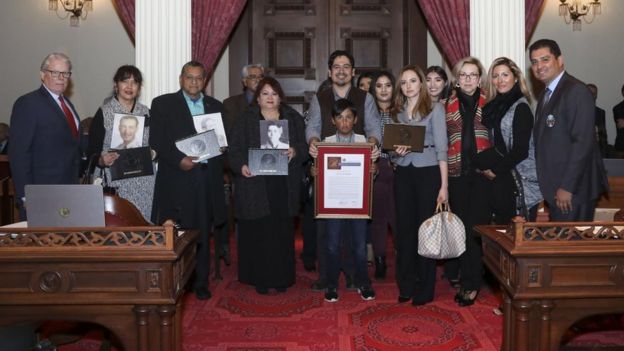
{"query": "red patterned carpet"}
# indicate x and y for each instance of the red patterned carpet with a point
(236, 318)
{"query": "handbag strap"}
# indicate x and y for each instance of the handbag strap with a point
(90, 168)
(443, 207)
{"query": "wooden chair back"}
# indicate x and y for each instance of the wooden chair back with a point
(120, 212)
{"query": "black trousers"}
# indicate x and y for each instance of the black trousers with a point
(469, 198)
(204, 222)
(415, 193)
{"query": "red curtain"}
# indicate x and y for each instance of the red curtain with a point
(532, 11)
(212, 24)
(449, 23)
(125, 10)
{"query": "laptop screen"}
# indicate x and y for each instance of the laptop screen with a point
(75, 205)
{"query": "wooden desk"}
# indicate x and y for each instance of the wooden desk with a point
(553, 274)
(127, 279)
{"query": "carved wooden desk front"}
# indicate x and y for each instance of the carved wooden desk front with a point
(552, 275)
(128, 279)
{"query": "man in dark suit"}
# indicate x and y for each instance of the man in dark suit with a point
(569, 166)
(600, 122)
(45, 147)
(186, 191)
(234, 106)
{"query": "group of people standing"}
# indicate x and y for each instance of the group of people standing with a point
(484, 153)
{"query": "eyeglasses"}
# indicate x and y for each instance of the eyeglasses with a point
(470, 76)
(56, 74)
(255, 77)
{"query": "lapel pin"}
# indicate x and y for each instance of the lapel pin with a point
(550, 121)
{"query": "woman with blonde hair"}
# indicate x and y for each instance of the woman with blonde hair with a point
(509, 118)
(468, 189)
(420, 183)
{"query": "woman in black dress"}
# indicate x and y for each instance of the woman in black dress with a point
(266, 205)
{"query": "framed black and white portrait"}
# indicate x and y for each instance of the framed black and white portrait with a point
(127, 131)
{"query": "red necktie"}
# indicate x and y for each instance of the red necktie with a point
(70, 117)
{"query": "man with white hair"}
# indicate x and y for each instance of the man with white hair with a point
(234, 106)
(45, 143)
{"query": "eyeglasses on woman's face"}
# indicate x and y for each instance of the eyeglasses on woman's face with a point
(468, 76)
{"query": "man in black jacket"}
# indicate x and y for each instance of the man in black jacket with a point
(189, 192)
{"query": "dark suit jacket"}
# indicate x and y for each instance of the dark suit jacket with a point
(176, 191)
(566, 152)
(233, 108)
(43, 150)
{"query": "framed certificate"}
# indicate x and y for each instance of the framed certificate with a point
(343, 185)
(268, 162)
(404, 134)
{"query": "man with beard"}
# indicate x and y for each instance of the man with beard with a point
(341, 72)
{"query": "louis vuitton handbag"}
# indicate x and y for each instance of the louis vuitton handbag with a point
(442, 235)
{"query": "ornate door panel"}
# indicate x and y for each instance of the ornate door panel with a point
(371, 30)
(289, 38)
(293, 39)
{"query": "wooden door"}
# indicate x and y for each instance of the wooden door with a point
(293, 39)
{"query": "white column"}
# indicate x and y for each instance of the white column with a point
(497, 29)
(163, 44)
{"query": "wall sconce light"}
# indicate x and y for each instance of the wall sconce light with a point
(75, 9)
(574, 11)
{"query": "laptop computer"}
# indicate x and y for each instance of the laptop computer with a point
(75, 205)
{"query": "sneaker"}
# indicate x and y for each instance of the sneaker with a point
(331, 295)
(318, 285)
(366, 293)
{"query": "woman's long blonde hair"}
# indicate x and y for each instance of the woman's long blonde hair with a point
(515, 70)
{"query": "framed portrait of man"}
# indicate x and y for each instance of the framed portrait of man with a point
(274, 134)
(127, 131)
(212, 121)
(343, 185)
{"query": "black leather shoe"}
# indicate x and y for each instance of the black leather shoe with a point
(466, 297)
(202, 293)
